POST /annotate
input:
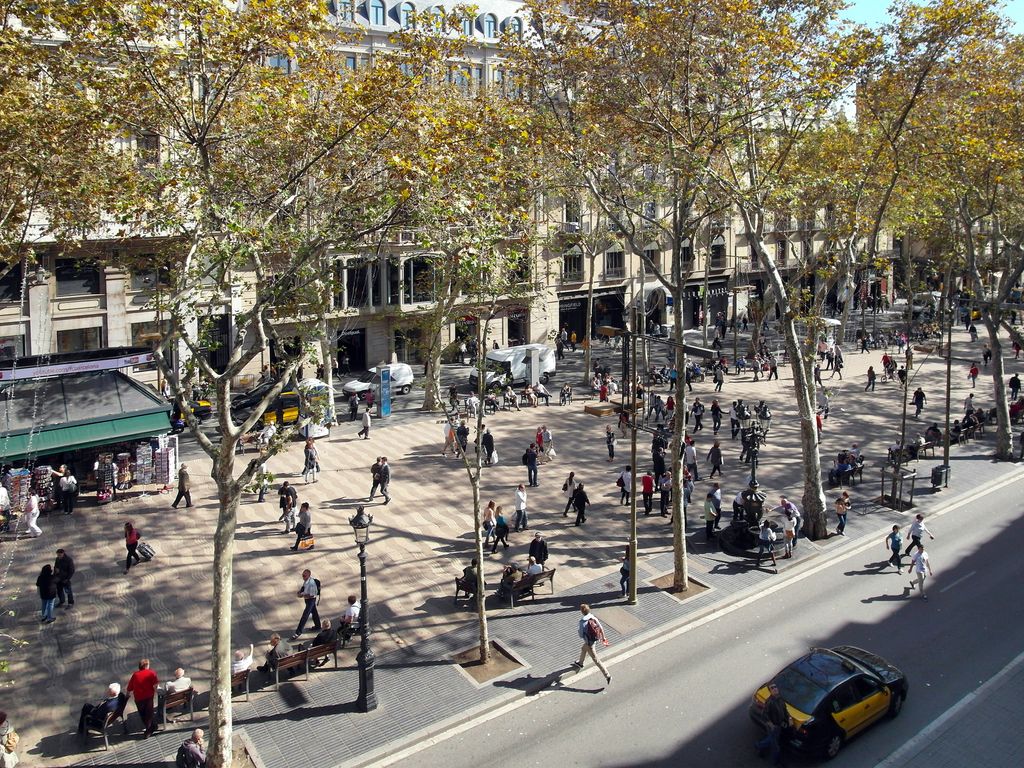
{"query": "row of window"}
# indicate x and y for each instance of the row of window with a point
(376, 13)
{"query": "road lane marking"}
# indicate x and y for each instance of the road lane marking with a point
(962, 578)
(460, 723)
(909, 750)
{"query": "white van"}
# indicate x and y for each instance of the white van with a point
(401, 381)
(512, 365)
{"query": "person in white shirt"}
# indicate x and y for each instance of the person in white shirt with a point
(352, 612)
(919, 564)
(521, 519)
(788, 533)
(179, 683)
(534, 567)
(690, 460)
(549, 446)
(917, 531)
(242, 661)
(32, 515)
(542, 392)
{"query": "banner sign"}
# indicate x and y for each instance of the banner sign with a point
(83, 366)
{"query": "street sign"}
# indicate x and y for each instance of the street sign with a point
(384, 401)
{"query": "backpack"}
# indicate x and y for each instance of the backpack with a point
(525, 457)
(594, 632)
(184, 758)
(317, 582)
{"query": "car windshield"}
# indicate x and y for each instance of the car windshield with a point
(367, 377)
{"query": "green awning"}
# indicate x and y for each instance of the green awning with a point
(70, 438)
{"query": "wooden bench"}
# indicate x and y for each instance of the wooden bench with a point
(464, 585)
(177, 699)
(924, 449)
(526, 587)
(291, 661)
(108, 723)
(241, 680)
(317, 652)
(347, 631)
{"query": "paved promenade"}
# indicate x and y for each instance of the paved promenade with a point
(420, 541)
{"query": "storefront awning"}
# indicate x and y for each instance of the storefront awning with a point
(77, 410)
(599, 291)
(119, 430)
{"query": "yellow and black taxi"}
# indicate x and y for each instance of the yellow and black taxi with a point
(832, 695)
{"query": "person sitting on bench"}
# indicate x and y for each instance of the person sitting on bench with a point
(842, 467)
(278, 650)
(95, 715)
(933, 434)
(242, 661)
(510, 576)
(349, 620)
(325, 636)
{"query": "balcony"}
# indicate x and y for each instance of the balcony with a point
(574, 227)
(718, 262)
(576, 276)
(615, 273)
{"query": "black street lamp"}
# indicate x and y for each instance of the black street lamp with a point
(367, 701)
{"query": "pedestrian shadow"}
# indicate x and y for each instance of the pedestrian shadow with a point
(888, 598)
(870, 569)
(532, 685)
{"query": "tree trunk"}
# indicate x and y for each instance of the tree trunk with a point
(801, 363)
(588, 341)
(432, 399)
(1004, 432)
(223, 568)
(481, 595)
(680, 565)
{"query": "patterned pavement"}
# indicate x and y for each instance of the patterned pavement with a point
(420, 541)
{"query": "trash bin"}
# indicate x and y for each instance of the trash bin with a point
(940, 475)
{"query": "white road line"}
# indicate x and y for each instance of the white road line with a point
(905, 754)
(962, 578)
(460, 724)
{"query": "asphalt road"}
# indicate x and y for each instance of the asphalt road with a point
(684, 702)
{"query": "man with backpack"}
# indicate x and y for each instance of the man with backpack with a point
(590, 632)
(310, 594)
(192, 752)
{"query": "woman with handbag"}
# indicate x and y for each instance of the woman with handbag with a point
(312, 465)
(569, 488)
(131, 543)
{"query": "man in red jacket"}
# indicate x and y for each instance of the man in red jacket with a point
(143, 686)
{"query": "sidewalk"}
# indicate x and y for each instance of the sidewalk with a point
(420, 541)
(982, 729)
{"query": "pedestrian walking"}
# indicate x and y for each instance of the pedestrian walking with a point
(580, 500)
(500, 529)
(719, 377)
(309, 593)
(131, 543)
(871, 379)
(288, 499)
(917, 531)
(184, 487)
(32, 511)
(487, 443)
(973, 375)
(1014, 384)
(842, 510)
(734, 419)
(353, 407)
(787, 505)
(64, 571)
(894, 543)
(788, 533)
(311, 465)
(365, 431)
(624, 482)
(716, 416)
(624, 574)
(921, 567)
(714, 458)
(521, 518)
(969, 403)
(766, 543)
(709, 517)
(487, 524)
(46, 585)
(919, 401)
(690, 459)
(304, 526)
(143, 685)
(568, 489)
(530, 462)
(697, 410)
(384, 479)
(591, 632)
(986, 355)
(609, 439)
(68, 484)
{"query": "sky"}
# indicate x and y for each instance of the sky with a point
(872, 12)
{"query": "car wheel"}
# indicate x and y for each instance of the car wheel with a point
(896, 705)
(835, 743)
(406, 389)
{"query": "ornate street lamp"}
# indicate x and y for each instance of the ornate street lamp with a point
(367, 701)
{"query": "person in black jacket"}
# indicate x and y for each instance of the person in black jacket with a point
(487, 442)
(64, 569)
(777, 719)
(95, 715)
(580, 501)
(47, 586)
(539, 548)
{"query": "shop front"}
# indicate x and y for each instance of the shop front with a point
(609, 309)
(518, 320)
(715, 297)
(351, 350)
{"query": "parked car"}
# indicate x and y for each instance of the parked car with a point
(832, 695)
(401, 381)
